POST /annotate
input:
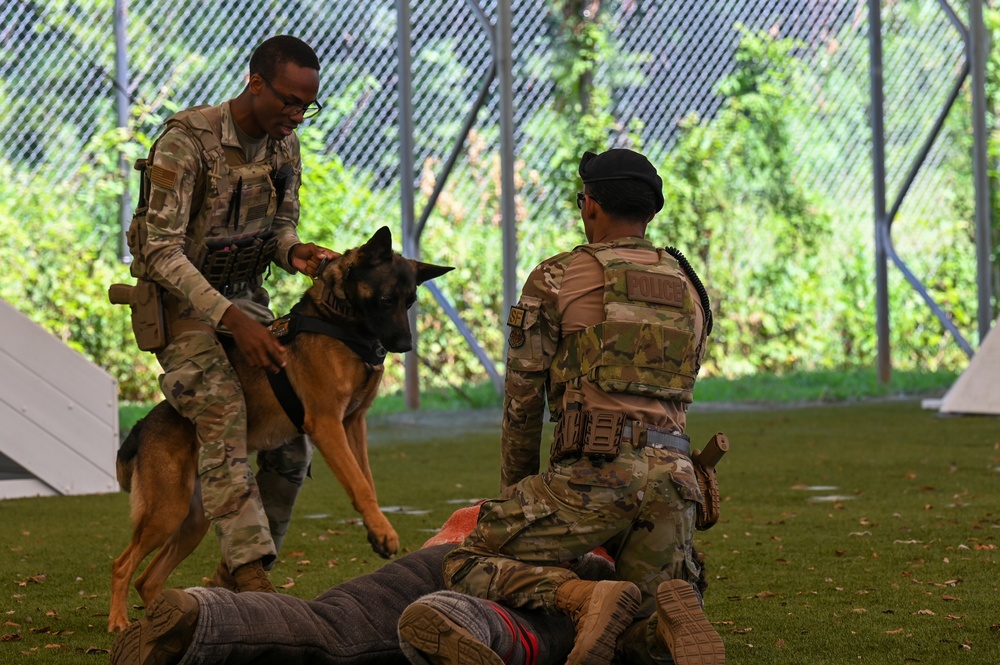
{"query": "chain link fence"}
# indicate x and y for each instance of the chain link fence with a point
(58, 86)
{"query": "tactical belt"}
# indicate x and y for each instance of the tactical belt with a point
(657, 437)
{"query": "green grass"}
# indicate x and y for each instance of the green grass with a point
(822, 386)
(819, 386)
(903, 568)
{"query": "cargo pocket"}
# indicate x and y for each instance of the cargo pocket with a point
(202, 386)
(502, 521)
(615, 474)
(683, 477)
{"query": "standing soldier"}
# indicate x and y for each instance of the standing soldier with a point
(612, 334)
(219, 204)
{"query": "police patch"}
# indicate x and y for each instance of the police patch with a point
(651, 287)
(516, 318)
(516, 337)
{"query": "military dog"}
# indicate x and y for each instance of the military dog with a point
(363, 297)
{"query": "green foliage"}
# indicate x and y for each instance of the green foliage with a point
(790, 273)
(580, 113)
(733, 204)
(792, 284)
(960, 125)
(58, 264)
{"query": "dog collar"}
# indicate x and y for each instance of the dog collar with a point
(287, 327)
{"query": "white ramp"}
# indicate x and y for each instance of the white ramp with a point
(977, 389)
(58, 415)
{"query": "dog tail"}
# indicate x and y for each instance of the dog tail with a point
(127, 454)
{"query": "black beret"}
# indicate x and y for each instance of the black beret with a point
(621, 164)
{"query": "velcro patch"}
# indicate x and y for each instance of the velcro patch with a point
(256, 212)
(157, 200)
(162, 177)
(516, 318)
(516, 338)
(650, 287)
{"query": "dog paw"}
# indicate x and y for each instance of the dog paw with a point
(385, 546)
(117, 626)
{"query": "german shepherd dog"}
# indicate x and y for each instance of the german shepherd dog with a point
(364, 294)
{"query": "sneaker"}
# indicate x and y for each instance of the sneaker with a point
(163, 635)
(440, 640)
(683, 628)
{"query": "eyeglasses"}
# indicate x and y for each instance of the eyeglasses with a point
(307, 110)
(580, 196)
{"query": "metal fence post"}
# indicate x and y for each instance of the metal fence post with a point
(878, 178)
(411, 361)
(978, 49)
(122, 111)
(507, 189)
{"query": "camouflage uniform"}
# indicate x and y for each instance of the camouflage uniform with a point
(641, 505)
(204, 189)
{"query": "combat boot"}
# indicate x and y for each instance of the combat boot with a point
(252, 577)
(601, 611)
(425, 626)
(683, 629)
(163, 635)
(223, 579)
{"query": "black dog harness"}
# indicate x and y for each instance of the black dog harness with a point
(286, 328)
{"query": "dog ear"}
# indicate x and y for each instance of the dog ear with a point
(378, 249)
(426, 271)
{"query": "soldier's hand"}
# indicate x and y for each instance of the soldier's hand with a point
(258, 345)
(306, 257)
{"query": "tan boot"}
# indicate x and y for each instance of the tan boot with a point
(163, 635)
(440, 640)
(683, 627)
(601, 611)
(222, 579)
(252, 577)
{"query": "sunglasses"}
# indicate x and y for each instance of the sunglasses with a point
(580, 196)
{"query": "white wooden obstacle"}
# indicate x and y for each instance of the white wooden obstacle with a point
(977, 389)
(58, 415)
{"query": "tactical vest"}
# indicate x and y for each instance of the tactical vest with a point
(229, 236)
(647, 344)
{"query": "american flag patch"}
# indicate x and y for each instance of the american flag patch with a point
(162, 177)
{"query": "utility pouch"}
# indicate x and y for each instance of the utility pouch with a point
(228, 264)
(568, 437)
(280, 178)
(604, 434)
(704, 469)
(148, 321)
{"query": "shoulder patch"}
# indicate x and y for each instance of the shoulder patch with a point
(516, 338)
(516, 318)
(162, 177)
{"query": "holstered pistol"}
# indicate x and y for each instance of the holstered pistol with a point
(704, 470)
